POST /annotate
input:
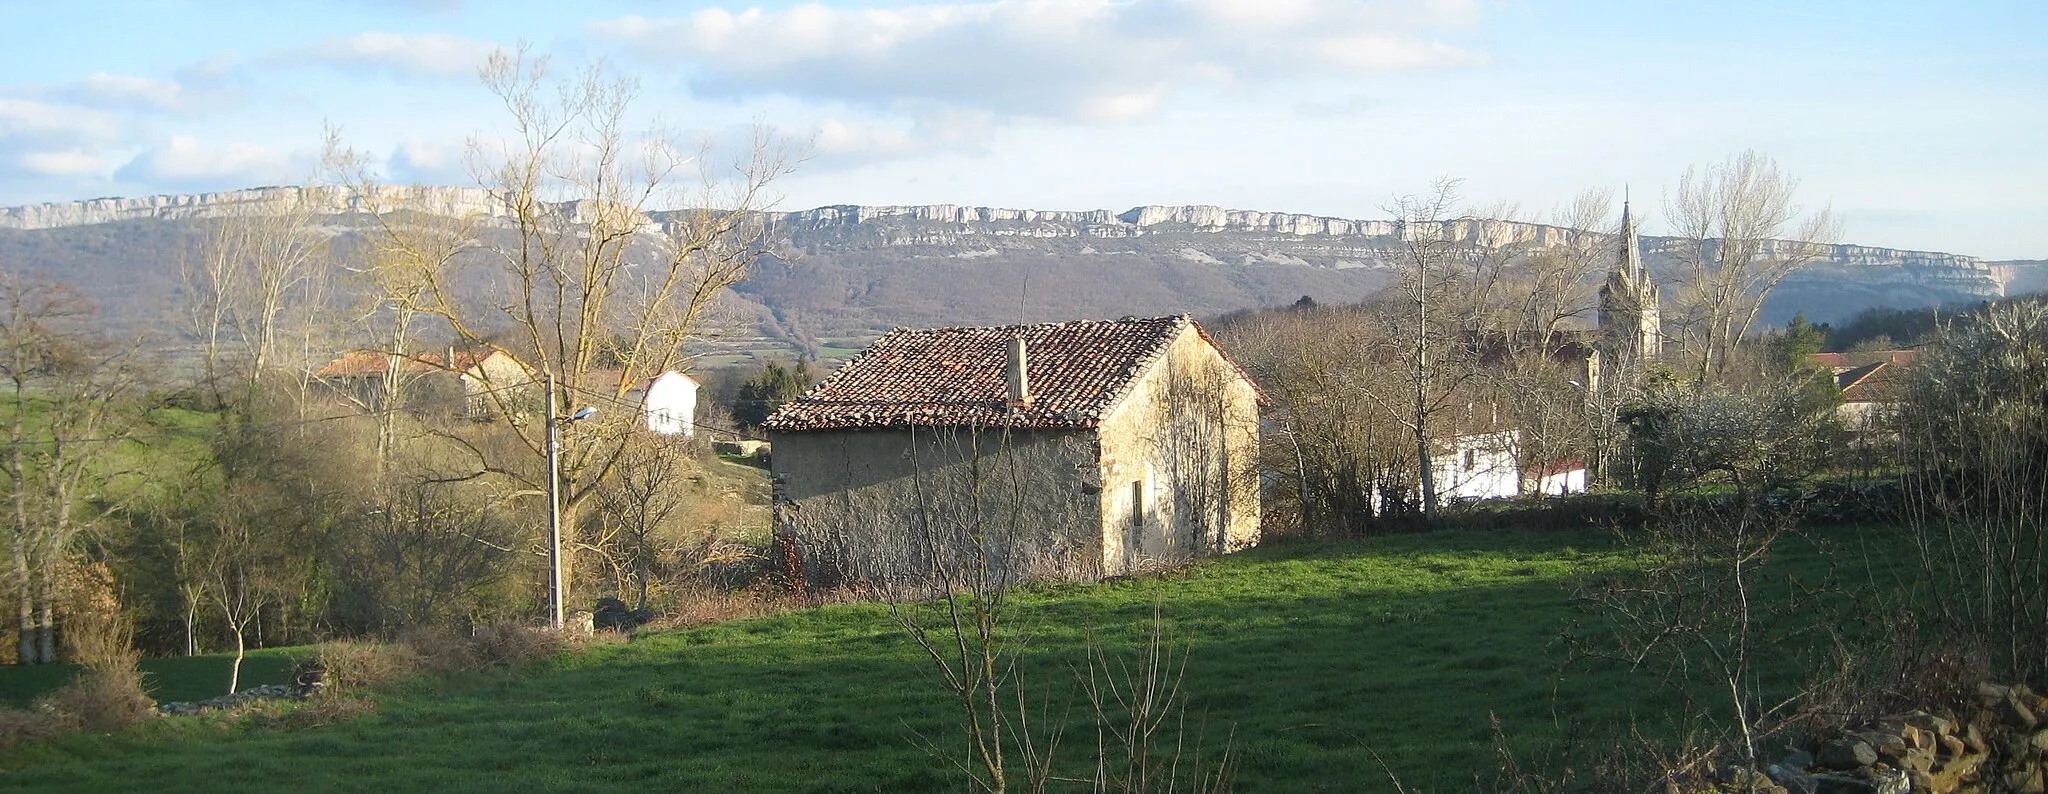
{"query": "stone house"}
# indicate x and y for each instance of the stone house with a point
(1068, 450)
(1867, 381)
(456, 380)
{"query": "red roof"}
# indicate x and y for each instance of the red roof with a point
(1871, 383)
(956, 376)
(372, 363)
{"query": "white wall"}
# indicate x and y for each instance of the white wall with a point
(1482, 466)
(670, 405)
(1564, 482)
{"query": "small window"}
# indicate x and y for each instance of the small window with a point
(1471, 460)
(1137, 503)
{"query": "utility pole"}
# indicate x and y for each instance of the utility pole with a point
(554, 432)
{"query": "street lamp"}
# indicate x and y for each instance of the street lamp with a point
(554, 443)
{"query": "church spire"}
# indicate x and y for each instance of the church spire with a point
(1631, 263)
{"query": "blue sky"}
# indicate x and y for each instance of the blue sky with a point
(1921, 123)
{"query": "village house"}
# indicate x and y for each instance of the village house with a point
(1482, 466)
(1866, 380)
(460, 379)
(478, 382)
(664, 403)
(1070, 450)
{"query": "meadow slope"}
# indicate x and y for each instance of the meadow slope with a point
(1321, 659)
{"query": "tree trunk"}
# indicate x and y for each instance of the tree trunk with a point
(1428, 472)
(640, 557)
(235, 671)
(25, 621)
(46, 626)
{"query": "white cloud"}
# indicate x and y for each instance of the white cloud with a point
(184, 161)
(429, 161)
(412, 55)
(69, 162)
(843, 138)
(130, 90)
(1081, 59)
(26, 119)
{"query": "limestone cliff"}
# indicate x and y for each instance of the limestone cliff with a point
(1851, 277)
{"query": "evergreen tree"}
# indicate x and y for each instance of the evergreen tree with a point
(767, 390)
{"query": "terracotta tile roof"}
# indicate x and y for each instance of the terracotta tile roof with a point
(372, 363)
(1870, 383)
(956, 376)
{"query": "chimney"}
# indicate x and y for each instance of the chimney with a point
(1019, 379)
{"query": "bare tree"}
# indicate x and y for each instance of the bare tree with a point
(256, 287)
(235, 585)
(586, 278)
(1729, 219)
(637, 505)
(1972, 425)
(64, 406)
(1429, 247)
(1693, 611)
(948, 583)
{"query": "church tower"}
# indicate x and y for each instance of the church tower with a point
(1631, 332)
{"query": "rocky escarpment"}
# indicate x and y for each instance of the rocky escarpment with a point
(254, 201)
(1239, 252)
(943, 224)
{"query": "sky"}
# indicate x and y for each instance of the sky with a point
(1923, 125)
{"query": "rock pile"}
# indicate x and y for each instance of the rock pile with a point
(2001, 747)
(246, 697)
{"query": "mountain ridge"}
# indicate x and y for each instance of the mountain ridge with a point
(855, 270)
(1097, 222)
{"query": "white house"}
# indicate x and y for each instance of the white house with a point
(667, 402)
(1483, 466)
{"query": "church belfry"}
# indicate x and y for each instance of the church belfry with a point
(1631, 332)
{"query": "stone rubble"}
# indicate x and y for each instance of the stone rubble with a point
(309, 685)
(2001, 747)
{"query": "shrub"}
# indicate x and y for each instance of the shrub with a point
(437, 649)
(502, 644)
(698, 606)
(107, 695)
(512, 645)
(101, 699)
(26, 725)
(349, 665)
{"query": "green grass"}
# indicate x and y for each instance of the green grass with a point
(1316, 655)
(176, 679)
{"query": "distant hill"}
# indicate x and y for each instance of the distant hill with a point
(857, 271)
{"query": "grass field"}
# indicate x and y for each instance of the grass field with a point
(1317, 656)
(176, 679)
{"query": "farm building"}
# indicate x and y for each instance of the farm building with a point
(1070, 450)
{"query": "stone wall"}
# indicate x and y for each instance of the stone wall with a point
(865, 502)
(1179, 461)
(1998, 747)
